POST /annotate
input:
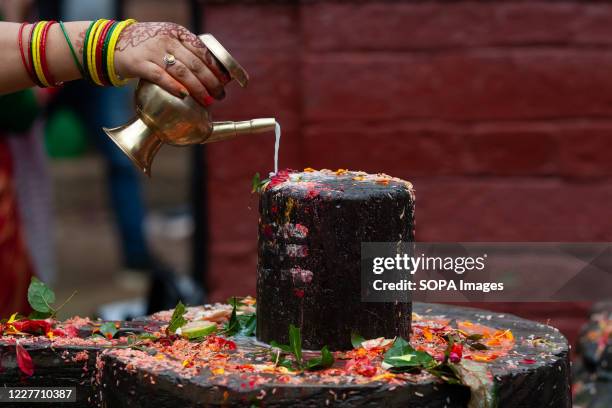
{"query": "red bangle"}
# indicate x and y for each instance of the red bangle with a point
(43, 53)
(34, 77)
(22, 53)
(101, 72)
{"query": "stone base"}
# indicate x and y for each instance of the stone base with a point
(528, 376)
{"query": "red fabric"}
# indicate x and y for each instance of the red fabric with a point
(15, 266)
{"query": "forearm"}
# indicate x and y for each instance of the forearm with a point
(59, 59)
(139, 51)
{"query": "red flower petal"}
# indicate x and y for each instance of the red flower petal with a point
(24, 360)
(41, 327)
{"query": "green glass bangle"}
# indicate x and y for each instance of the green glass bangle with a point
(85, 64)
(109, 34)
(72, 52)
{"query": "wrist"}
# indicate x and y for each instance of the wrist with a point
(66, 68)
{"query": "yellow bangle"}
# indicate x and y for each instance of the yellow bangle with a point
(35, 48)
(110, 60)
(88, 48)
(36, 53)
(91, 50)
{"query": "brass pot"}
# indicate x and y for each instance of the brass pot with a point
(162, 118)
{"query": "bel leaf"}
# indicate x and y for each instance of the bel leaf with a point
(403, 356)
(319, 363)
(177, 320)
(325, 360)
(287, 364)
(256, 182)
(249, 325)
(108, 329)
(233, 326)
(36, 315)
(41, 297)
(295, 342)
(474, 337)
(356, 339)
(282, 347)
(446, 372)
(235, 301)
(478, 346)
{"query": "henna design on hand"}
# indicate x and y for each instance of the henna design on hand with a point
(80, 42)
(137, 34)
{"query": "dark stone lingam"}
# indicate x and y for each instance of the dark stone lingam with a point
(311, 227)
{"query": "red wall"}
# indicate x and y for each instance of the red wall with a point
(500, 113)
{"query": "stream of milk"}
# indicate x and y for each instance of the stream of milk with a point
(277, 132)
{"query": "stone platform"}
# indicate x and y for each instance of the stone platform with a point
(525, 365)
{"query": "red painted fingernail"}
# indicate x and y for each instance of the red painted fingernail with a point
(208, 100)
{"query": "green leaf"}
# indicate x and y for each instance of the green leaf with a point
(356, 340)
(177, 320)
(287, 364)
(233, 326)
(279, 346)
(40, 296)
(108, 329)
(402, 355)
(446, 373)
(258, 185)
(35, 315)
(449, 347)
(255, 183)
(319, 363)
(474, 337)
(147, 336)
(481, 384)
(248, 324)
(478, 346)
(235, 301)
(295, 342)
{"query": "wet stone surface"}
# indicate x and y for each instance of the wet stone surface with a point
(311, 227)
(527, 361)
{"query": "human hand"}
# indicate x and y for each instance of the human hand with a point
(140, 53)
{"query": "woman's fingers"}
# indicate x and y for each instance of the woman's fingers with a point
(185, 76)
(194, 71)
(200, 70)
(197, 47)
(156, 74)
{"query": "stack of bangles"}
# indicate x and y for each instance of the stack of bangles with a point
(98, 52)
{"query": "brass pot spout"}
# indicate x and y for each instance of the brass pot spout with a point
(229, 130)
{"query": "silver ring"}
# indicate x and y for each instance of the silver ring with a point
(169, 59)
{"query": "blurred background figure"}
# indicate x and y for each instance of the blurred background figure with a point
(81, 109)
(132, 278)
(110, 107)
(25, 190)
